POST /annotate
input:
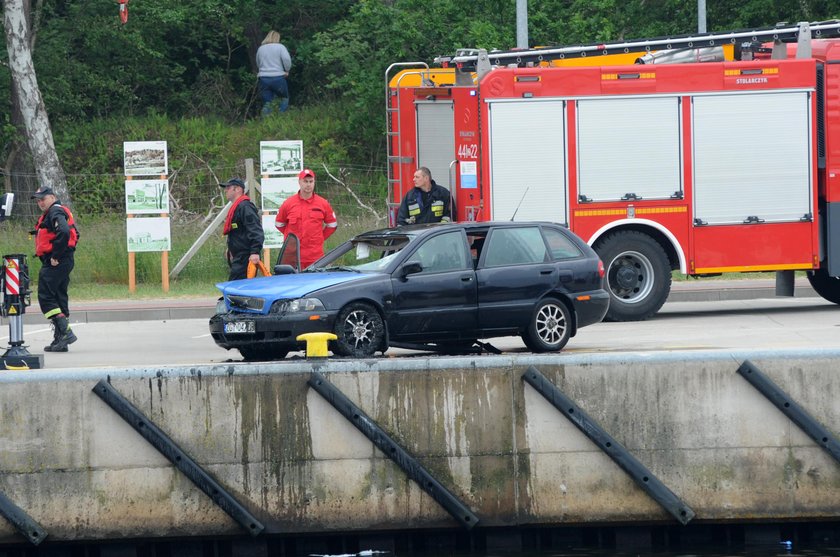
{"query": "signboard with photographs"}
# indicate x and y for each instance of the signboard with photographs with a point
(148, 234)
(281, 157)
(273, 237)
(276, 190)
(145, 158)
(146, 197)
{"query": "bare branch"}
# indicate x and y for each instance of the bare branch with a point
(213, 208)
(379, 218)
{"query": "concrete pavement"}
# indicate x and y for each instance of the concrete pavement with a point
(161, 309)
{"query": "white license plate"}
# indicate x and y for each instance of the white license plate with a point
(240, 327)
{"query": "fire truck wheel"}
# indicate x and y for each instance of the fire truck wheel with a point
(261, 353)
(826, 286)
(638, 275)
(550, 327)
(360, 331)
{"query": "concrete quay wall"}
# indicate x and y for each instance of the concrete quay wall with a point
(73, 465)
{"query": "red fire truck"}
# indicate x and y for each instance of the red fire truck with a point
(731, 165)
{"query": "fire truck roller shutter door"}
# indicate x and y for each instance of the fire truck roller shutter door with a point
(528, 160)
(436, 138)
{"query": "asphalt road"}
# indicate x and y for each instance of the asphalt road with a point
(755, 324)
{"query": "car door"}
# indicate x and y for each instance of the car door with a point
(440, 302)
(514, 272)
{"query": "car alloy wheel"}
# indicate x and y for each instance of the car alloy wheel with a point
(550, 327)
(360, 331)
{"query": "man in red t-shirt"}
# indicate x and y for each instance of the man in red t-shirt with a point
(308, 216)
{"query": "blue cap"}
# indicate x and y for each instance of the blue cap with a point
(233, 182)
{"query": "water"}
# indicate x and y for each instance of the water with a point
(782, 549)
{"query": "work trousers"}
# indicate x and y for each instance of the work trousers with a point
(239, 267)
(52, 285)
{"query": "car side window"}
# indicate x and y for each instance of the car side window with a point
(445, 252)
(515, 246)
(559, 245)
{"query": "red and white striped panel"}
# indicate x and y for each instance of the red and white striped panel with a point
(12, 277)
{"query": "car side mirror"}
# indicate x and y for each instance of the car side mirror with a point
(284, 269)
(410, 268)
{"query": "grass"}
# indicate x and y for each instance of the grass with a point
(177, 289)
(101, 271)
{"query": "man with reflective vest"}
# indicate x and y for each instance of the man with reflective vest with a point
(308, 216)
(243, 228)
(426, 202)
(56, 237)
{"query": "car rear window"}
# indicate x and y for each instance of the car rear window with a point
(560, 246)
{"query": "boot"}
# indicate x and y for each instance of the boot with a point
(64, 336)
(55, 336)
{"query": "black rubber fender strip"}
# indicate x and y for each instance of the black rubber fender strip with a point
(24, 523)
(393, 450)
(649, 483)
(798, 415)
(169, 449)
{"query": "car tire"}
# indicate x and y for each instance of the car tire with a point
(550, 327)
(261, 353)
(826, 286)
(360, 331)
(638, 275)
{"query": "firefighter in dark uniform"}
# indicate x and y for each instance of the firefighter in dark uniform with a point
(56, 237)
(426, 202)
(243, 228)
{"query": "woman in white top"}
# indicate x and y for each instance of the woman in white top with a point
(273, 64)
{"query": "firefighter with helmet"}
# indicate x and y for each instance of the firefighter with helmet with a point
(56, 237)
(426, 202)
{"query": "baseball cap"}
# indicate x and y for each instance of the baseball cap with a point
(305, 173)
(233, 182)
(42, 192)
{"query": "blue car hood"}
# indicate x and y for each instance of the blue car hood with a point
(283, 287)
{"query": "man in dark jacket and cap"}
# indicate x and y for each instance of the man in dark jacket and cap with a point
(243, 228)
(426, 202)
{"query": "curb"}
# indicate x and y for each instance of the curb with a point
(736, 293)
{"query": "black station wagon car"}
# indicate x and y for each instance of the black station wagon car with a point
(438, 286)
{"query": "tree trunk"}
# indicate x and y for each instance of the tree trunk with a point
(36, 122)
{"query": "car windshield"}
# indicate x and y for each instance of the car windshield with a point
(363, 254)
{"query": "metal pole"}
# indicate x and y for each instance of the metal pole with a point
(701, 16)
(521, 23)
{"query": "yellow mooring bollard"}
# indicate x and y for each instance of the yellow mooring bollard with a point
(316, 343)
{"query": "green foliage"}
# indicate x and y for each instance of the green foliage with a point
(194, 60)
(203, 151)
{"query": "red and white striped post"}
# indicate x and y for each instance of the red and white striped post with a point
(15, 289)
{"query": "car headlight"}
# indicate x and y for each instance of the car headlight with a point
(221, 307)
(294, 306)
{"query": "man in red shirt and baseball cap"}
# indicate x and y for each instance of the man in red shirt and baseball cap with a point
(308, 216)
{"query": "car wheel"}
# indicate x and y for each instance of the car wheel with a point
(550, 327)
(261, 353)
(638, 275)
(360, 331)
(826, 286)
